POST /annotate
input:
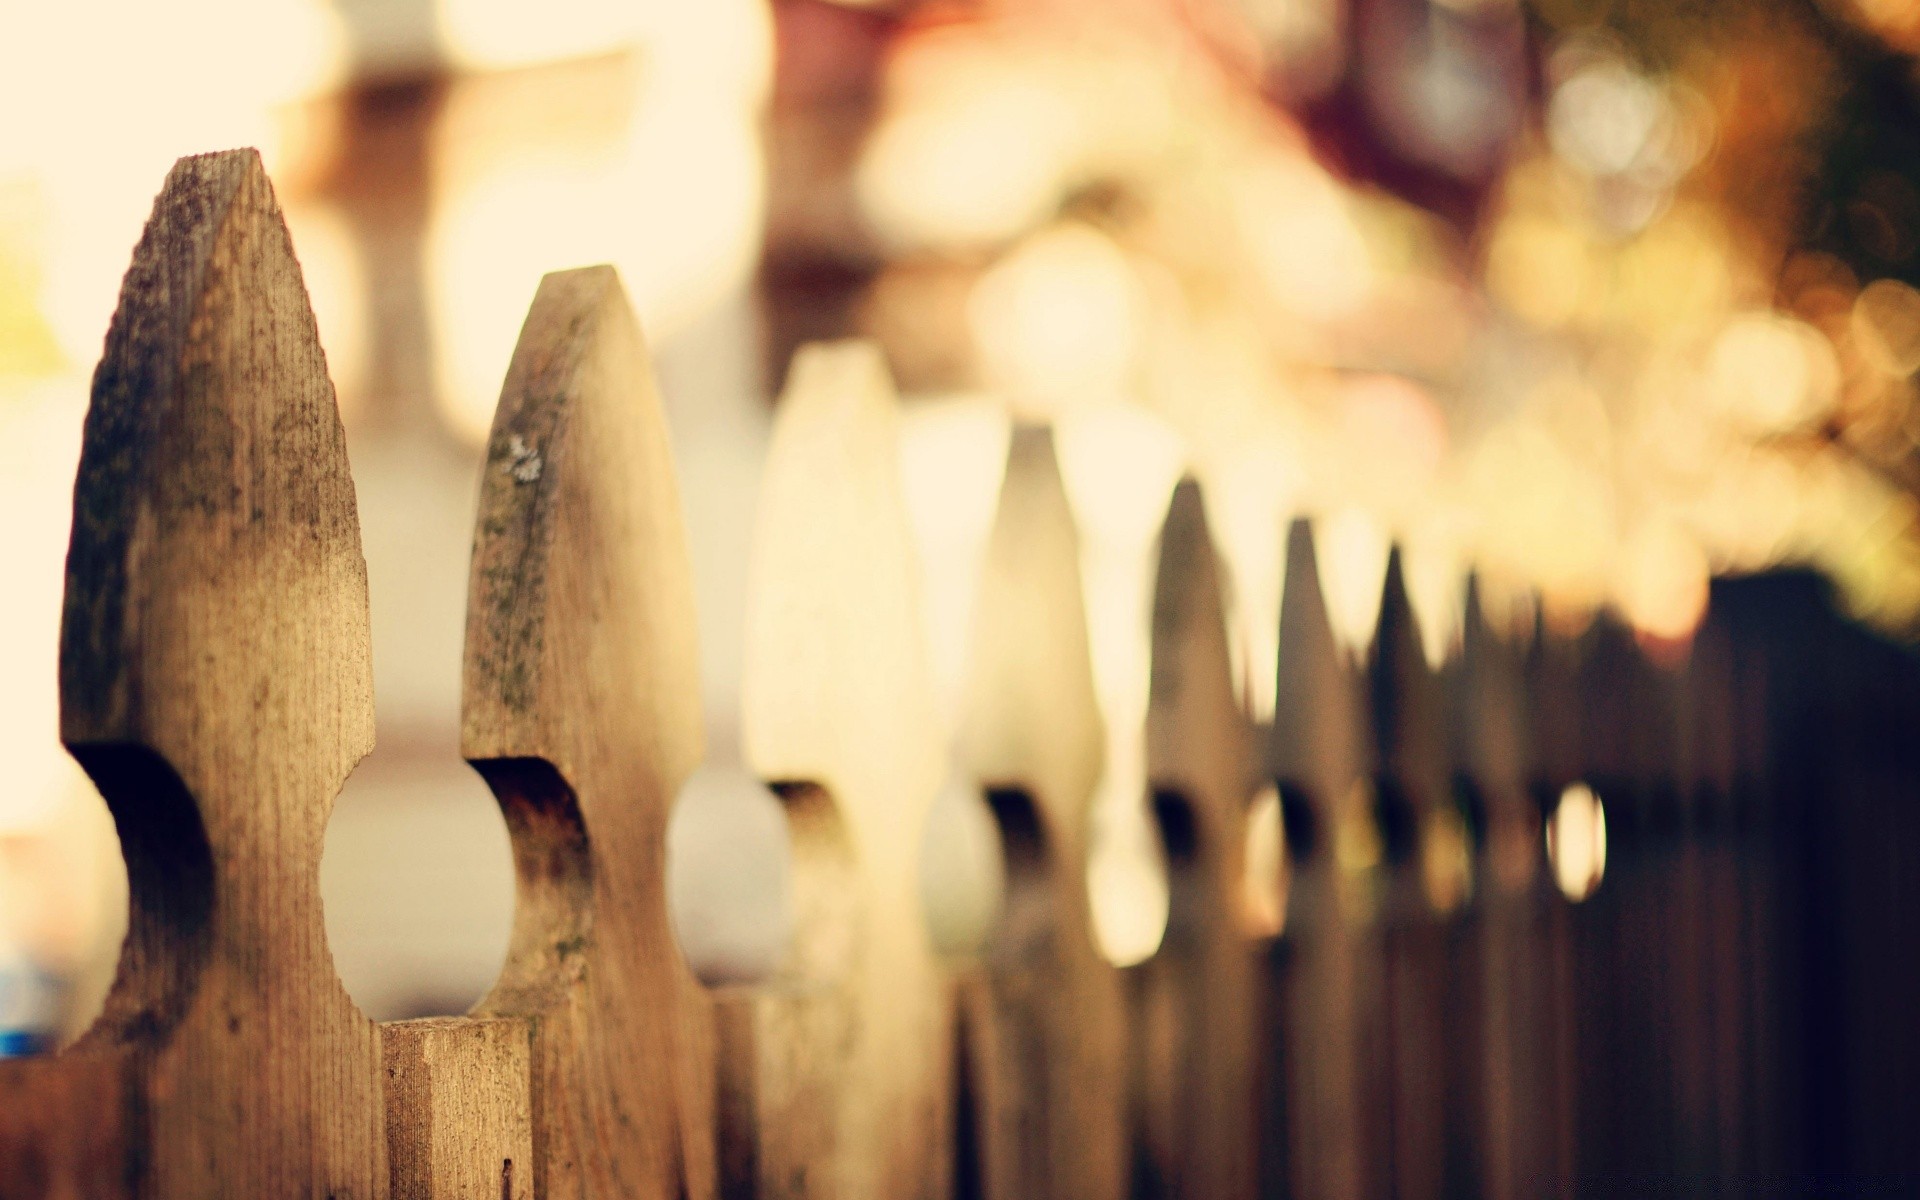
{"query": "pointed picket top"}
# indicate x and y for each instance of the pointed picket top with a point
(1319, 755)
(1045, 1017)
(1318, 742)
(1424, 847)
(837, 694)
(1407, 701)
(1487, 723)
(216, 682)
(1508, 1098)
(1489, 731)
(581, 708)
(836, 685)
(214, 476)
(1198, 739)
(1200, 1101)
(1031, 718)
(580, 518)
(1551, 673)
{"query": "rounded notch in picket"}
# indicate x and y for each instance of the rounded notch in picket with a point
(216, 681)
(1319, 756)
(1424, 828)
(1031, 715)
(1199, 741)
(1047, 1011)
(580, 706)
(1030, 727)
(1488, 734)
(838, 708)
(1203, 1117)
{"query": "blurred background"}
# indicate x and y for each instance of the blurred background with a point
(1599, 297)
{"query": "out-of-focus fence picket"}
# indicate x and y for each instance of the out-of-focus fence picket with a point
(1562, 918)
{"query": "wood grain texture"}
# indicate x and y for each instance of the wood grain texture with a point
(1324, 996)
(581, 710)
(1195, 1000)
(216, 683)
(838, 710)
(1046, 1018)
(70, 1127)
(785, 1043)
(459, 1118)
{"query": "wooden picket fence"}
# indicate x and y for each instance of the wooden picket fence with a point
(1730, 1012)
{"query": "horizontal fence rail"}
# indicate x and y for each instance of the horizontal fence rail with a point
(1451, 1008)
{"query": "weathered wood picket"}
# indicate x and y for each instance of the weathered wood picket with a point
(1730, 1010)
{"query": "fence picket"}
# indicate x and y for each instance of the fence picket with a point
(1045, 1015)
(216, 683)
(459, 1107)
(1513, 1131)
(1422, 867)
(1325, 996)
(581, 710)
(1194, 1004)
(1554, 764)
(838, 710)
(1436, 1019)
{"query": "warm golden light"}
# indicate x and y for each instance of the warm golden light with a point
(1886, 326)
(37, 461)
(1353, 548)
(1126, 871)
(1391, 439)
(953, 453)
(978, 155)
(1446, 859)
(1119, 465)
(62, 885)
(1604, 116)
(1057, 322)
(1561, 535)
(1542, 270)
(1748, 509)
(1252, 484)
(1263, 888)
(337, 286)
(675, 202)
(1768, 373)
(1600, 373)
(116, 93)
(721, 39)
(1577, 842)
(1436, 590)
(1300, 233)
(1662, 581)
